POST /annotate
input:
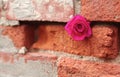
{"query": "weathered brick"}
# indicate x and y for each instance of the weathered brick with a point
(102, 43)
(34, 64)
(0, 7)
(7, 57)
(3, 20)
(45, 10)
(101, 10)
(68, 67)
(13, 38)
(39, 56)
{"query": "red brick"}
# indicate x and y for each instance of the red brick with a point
(0, 13)
(36, 56)
(0, 8)
(32, 64)
(68, 67)
(22, 35)
(102, 43)
(45, 10)
(119, 36)
(33, 56)
(101, 10)
(7, 57)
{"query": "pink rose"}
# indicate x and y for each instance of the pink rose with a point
(78, 28)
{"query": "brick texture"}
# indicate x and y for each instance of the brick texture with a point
(102, 43)
(22, 35)
(0, 7)
(101, 10)
(35, 30)
(28, 65)
(68, 67)
(3, 20)
(36, 56)
(6, 57)
(45, 10)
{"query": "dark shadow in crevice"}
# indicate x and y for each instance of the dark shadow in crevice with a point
(104, 23)
(35, 27)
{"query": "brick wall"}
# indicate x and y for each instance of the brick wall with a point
(34, 43)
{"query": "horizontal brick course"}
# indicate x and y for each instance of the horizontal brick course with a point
(29, 65)
(36, 56)
(68, 67)
(45, 10)
(38, 26)
(101, 10)
(102, 43)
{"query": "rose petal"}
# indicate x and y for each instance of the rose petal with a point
(78, 30)
(78, 37)
(72, 27)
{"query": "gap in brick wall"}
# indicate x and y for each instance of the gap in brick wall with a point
(35, 25)
(102, 22)
(119, 36)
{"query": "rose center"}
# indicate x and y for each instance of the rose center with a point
(79, 28)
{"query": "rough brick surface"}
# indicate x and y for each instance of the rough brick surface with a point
(3, 20)
(7, 57)
(22, 35)
(29, 65)
(39, 56)
(45, 10)
(102, 43)
(16, 37)
(101, 10)
(0, 7)
(77, 68)
(6, 44)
